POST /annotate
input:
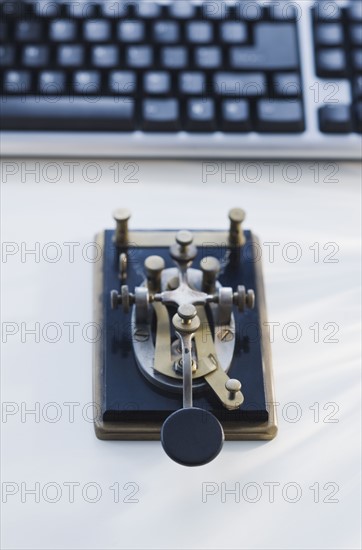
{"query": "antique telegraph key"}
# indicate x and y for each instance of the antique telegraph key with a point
(184, 354)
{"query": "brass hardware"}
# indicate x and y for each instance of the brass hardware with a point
(154, 265)
(236, 234)
(210, 268)
(121, 217)
(123, 263)
(183, 251)
(233, 386)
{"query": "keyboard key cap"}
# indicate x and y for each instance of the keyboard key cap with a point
(62, 30)
(70, 56)
(279, 116)
(192, 83)
(139, 56)
(122, 82)
(331, 62)
(106, 114)
(355, 10)
(199, 32)
(28, 31)
(148, 10)
(329, 34)
(131, 31)
(166, 32)
(335, 119)
(287, 84)
(17, 82)
(161, 115)
(357, 87)
(201, 115)
(235, 116)
(275, 48)
(356, 34)
(326, 10)
(240, 84)
(182, 9)
(357, 59)
(233, 32)
(81, 10)
(97, 30)
(208, 57)
(7, 55)
(52, 82)
(114, 9)
(174, 57)
(87, 82)
(35, 56)
(358, 115)
(157, 83)
(105, 56)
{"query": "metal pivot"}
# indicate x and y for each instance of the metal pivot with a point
(190, 436)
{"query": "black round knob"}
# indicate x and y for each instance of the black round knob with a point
(192, 436)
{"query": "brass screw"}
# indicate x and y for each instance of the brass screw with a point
(121, 217)
(233, 386)
(236, 233)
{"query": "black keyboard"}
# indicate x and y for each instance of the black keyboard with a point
(207, 68)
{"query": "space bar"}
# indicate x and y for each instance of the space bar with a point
(67, 113)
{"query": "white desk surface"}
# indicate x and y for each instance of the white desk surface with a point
(320, 449)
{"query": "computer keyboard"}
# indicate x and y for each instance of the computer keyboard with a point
(182, 79)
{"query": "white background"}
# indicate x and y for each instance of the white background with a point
(170, 512)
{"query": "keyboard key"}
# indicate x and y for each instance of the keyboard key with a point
(201, 115)
(279, 116)
(357, 59)
(199, 32)
(81, 10)
(52, 82)
(283, 12)
(235, 116)
(329, 34)
(114, 9)
(7, 55)
(326, 10)
(148, 10)
(357, 87)
(122, 82)
(275, 48)
(17, 82)
(166, 32)
(106, 114)
(35, 56)
(356, 34)
(161, 115)
(174, 57)
(157, 83)
(70, 56)
(214, 10)
(97, 30)
(87, 82)
(335, 119)
(355, 10)
(131, 31)
(358, 115)
(139, 56)
(287, 84)
(62, 30)
(331, 62)
(233, 32)
(192, 83)
(28, 31)
(182, 9)
(240, 84)
(105, 56)
(208, 57)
